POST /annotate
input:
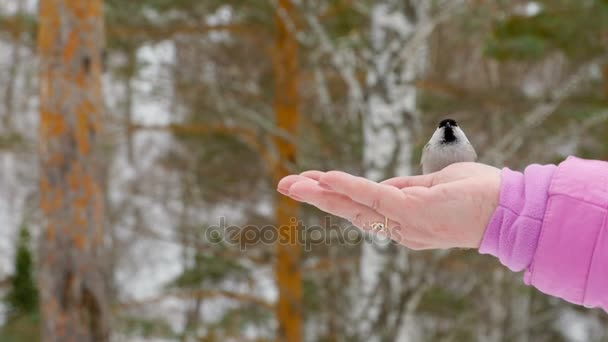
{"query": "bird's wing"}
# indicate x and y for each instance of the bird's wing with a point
(424, 150)
(474, 152)
(423, 157)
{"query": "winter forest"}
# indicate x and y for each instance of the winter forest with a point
(178, 118)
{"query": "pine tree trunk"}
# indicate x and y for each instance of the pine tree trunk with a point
(288, 272)
(74, 303)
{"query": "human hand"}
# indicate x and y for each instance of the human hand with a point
(445, 209)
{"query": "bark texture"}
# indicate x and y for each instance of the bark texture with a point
(288, 272)
(70, 45)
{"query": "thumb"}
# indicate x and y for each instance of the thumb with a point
(409, 181)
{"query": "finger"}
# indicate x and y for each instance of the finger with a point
(339, 205)
(312, 174)
(407, 181)
(287, 182)
(359, 215)
(385, 199)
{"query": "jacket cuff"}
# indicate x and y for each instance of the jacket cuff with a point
(513, 231)
(571, 257)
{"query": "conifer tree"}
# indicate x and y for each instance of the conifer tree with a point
(22, 298)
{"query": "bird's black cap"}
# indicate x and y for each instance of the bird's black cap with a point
(445, 122)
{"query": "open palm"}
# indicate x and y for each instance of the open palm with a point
(449, 208)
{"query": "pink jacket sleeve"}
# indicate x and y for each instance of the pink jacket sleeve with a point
(552, 222)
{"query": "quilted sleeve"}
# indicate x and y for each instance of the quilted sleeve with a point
(551, 222)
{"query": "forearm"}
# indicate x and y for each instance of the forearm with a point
(551, 222)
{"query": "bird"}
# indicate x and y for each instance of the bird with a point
(447, 145)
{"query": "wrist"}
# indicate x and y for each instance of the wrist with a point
(513, 230)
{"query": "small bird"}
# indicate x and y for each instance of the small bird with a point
(448, 145)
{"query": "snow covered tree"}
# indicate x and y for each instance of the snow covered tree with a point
(211, 102)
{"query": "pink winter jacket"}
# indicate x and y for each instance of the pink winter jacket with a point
(552, 222)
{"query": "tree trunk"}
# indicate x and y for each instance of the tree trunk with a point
(72, 284)
(16, 61)
(388, 131)
(288, 273)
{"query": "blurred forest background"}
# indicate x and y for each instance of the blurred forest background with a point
(108, 197)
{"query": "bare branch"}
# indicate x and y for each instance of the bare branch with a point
(203, 294)
(249, 135)
(342, 63)
(514, 139)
